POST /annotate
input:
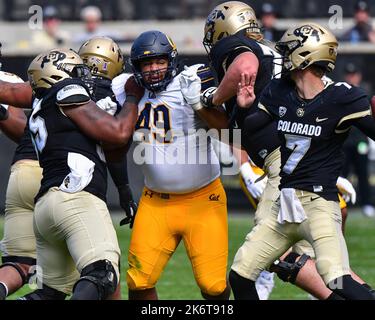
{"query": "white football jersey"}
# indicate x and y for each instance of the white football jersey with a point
(173, 146)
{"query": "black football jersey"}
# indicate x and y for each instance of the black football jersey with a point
(312, 132)
(261, 144)
(25, 148)
(55, 136)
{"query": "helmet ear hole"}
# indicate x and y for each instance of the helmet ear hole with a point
(305, 53)
(57, 78)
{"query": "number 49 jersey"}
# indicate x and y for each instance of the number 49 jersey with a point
(312, 132)
(173, 148)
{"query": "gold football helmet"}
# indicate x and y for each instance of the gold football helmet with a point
(227, 19)
(103, 56)
(50, 67)
(308, 44)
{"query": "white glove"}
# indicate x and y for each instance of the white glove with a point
(253, 184)
(346, 189)
(107, 105)
(191, 87)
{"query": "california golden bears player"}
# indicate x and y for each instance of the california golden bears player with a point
(181, 200)
(313, 121)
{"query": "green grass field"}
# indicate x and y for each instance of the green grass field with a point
(177, 281)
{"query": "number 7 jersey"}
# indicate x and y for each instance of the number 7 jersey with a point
(312, 132)
(172, 145)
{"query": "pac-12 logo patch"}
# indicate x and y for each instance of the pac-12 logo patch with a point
(282, 111)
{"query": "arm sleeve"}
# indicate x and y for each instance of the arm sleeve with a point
(366, 125)
(119, 172)
(256, 121)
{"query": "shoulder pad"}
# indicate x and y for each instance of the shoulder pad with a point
(72, 94)
(347, 94)
(10, 77)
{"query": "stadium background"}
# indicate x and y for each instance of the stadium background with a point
(183, 20)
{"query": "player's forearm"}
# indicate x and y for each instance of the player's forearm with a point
(18, 95)
(214, 118)
(245, 62)
(14, 126)
(255, 122)
(101, 126)
(226, 90)
(119, 172)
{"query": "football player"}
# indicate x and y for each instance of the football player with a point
(104, 58)
(234, 43)
(181, 200)
(313, 120)
(71, 221)
(18, 243)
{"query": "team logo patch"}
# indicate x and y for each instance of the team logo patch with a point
(282, 111)
(300, 112)
(214, 197)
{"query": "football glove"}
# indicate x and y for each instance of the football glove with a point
(346, 189)
(107, 105)
(4, 114)
(128, 204)
(255, 184)
(191, 87)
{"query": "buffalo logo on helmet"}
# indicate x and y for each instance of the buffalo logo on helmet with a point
(306, 31)
(54, 57)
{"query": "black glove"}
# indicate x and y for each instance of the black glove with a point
(4, 114)
(128, 204)
(207, 96)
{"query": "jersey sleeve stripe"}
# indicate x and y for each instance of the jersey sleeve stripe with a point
(264, 108)
(352, 116)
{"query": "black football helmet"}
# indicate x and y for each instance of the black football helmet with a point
(153, 44)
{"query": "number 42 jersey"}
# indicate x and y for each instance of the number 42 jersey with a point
(312, 132)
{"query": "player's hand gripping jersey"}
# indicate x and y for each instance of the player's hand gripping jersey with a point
(176, 156)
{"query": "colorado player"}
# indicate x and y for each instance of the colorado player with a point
(234, 43)
(180, 201)
(18, 243)
(105, 60)
(312, 121)
(67, 127)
